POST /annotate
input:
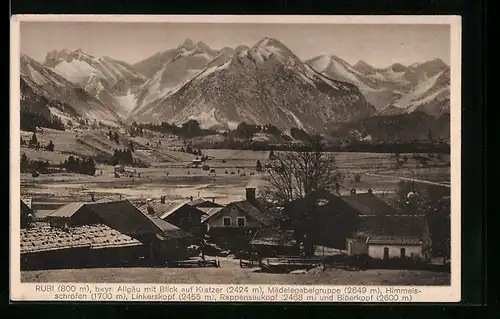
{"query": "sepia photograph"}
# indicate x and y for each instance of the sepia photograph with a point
(235, 153)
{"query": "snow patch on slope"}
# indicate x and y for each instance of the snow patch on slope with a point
(213, 69)
(76, 71)
(62, 116)
(127, 101)
(206, 119)
(428, 99)
(294, 117)
(321, 64)
(36, 76)
(417, 92)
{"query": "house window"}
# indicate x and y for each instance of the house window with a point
(386, 252)
(241, 221)
(403, 253)
(226, 221)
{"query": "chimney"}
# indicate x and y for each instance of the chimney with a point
(213, 199)
(250, 194)
(353, 191)
(92, 198)
(191, 198)
(370, 191)
(162, 199)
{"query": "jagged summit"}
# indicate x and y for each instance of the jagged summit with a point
(364, 67)
(110, 81)
(188, 44)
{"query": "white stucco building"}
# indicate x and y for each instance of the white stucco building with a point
(391, 236)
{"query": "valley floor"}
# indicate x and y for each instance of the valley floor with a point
(176, 181)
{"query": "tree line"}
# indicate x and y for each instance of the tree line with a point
(189, 129)
(29, 121)
(74, 164)
(34, 143)
(33, 166)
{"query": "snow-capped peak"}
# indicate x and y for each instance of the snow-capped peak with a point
(268, 48)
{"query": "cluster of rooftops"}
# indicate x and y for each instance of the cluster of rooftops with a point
(115, 223)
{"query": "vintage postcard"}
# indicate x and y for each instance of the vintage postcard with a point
(235, 158)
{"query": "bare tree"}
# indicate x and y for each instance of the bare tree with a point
(293, 178)
(296, 175)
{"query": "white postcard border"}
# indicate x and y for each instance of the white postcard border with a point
(26, 291)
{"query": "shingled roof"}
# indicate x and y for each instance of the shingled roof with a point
(40, 239)
(274, 237)
(392, 229)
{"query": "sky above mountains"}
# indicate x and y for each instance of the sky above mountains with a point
(378, 45)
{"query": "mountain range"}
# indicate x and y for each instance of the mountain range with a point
(382, 87)
(262, 84)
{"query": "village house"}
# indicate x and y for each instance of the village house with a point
(391, 236)
(181, 214)
(332, 217)
(163, 240)
(329, 218)
(234, 225)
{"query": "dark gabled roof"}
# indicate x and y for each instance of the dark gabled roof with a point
(162, 210)
(168, 230)
(392, 228)
(262, 211)
(274, 237)
(27, 201)
(26, 210)
(127, 218)
(67, 210)
(208, 212)
(202, 202)
(369, 204)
